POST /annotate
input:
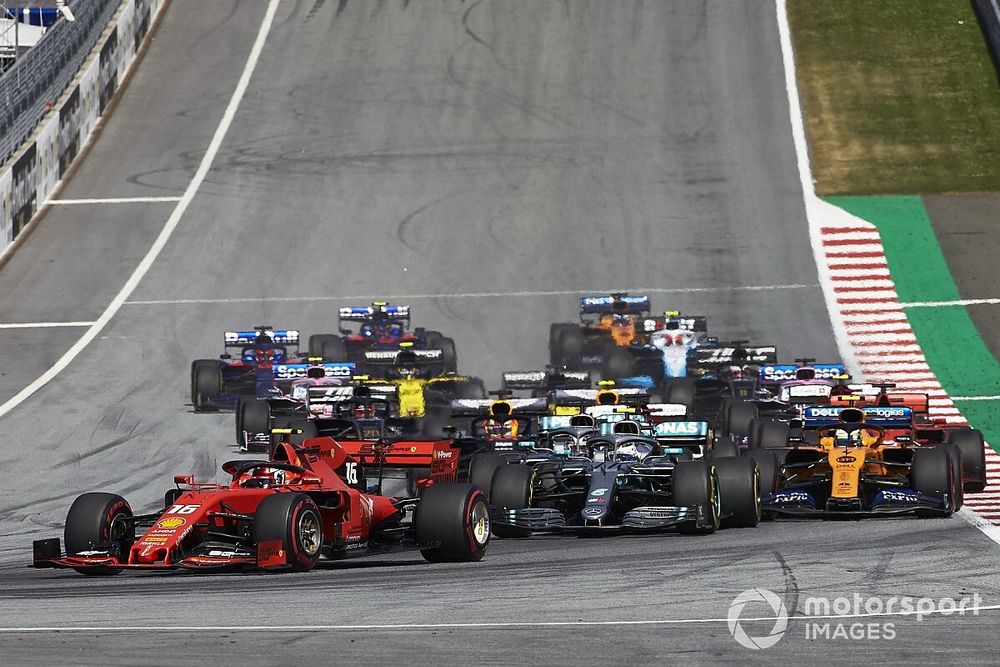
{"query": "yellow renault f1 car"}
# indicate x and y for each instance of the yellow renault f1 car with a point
(851, 471)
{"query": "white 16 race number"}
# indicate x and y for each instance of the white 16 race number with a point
(182, 509)
(351, 472)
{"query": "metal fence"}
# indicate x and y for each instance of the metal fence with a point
(40, 76)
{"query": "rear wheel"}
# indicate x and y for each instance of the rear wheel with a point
(679, 391)
(973, 452)
(449, 357)
(695, 483)
(206, 383)
(99, 520)
(481, 469)
(511, 490)
(252, 417)
(473, 388)
(334, 350)
(555, 342)
(736, 417)
(739, 491)
(955, 457)
(571, 347)
(316, 342)
(930, 472)
(617, 364)
(724, 447)
(452, 523)
(294, 519)
(768, 434)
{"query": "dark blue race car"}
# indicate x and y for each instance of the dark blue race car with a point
(220, 383)
(383, 332)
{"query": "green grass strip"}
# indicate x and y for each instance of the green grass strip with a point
(900, 96)
(954, 349)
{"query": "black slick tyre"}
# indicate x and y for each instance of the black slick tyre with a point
(739, 491)
(972, 448)
(511, 490)
(724, 447)
(252, 416)
(452, 523)
(931, 473)
(99, 520)
(481, 469)
(294, 519)
(617, 364)
(737, 416)
(695, 483)
(206, 383)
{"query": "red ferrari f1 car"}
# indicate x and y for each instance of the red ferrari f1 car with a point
(304, 504)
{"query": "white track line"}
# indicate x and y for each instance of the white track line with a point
(168, 227)
(973, 610)
(960, 302)
(42, 325)
(975, 398)
(112, 200)
(467, 295)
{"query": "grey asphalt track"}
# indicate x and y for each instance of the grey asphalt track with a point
(487, 162)
(966, 228)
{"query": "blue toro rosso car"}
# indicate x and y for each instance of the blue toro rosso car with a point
(383, 331)
(253, 361)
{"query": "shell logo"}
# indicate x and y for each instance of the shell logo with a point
(172, 522)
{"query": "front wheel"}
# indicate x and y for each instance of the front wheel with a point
(206, 383)
(696, 484)
(511, 490)
(99, 520)
(739, 491)
(253, 417)
(931, 474)
(452, 523)
(294, 520)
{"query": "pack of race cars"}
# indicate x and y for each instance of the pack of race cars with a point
(373, 441)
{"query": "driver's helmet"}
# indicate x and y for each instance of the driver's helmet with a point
(264, 356)
(736, 372)
(367, 330)
(363, 411)
(805, 373)
(623, 319)
(845, 438)
(633, 451)
(501, 428)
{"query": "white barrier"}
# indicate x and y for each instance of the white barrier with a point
(41, 163)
